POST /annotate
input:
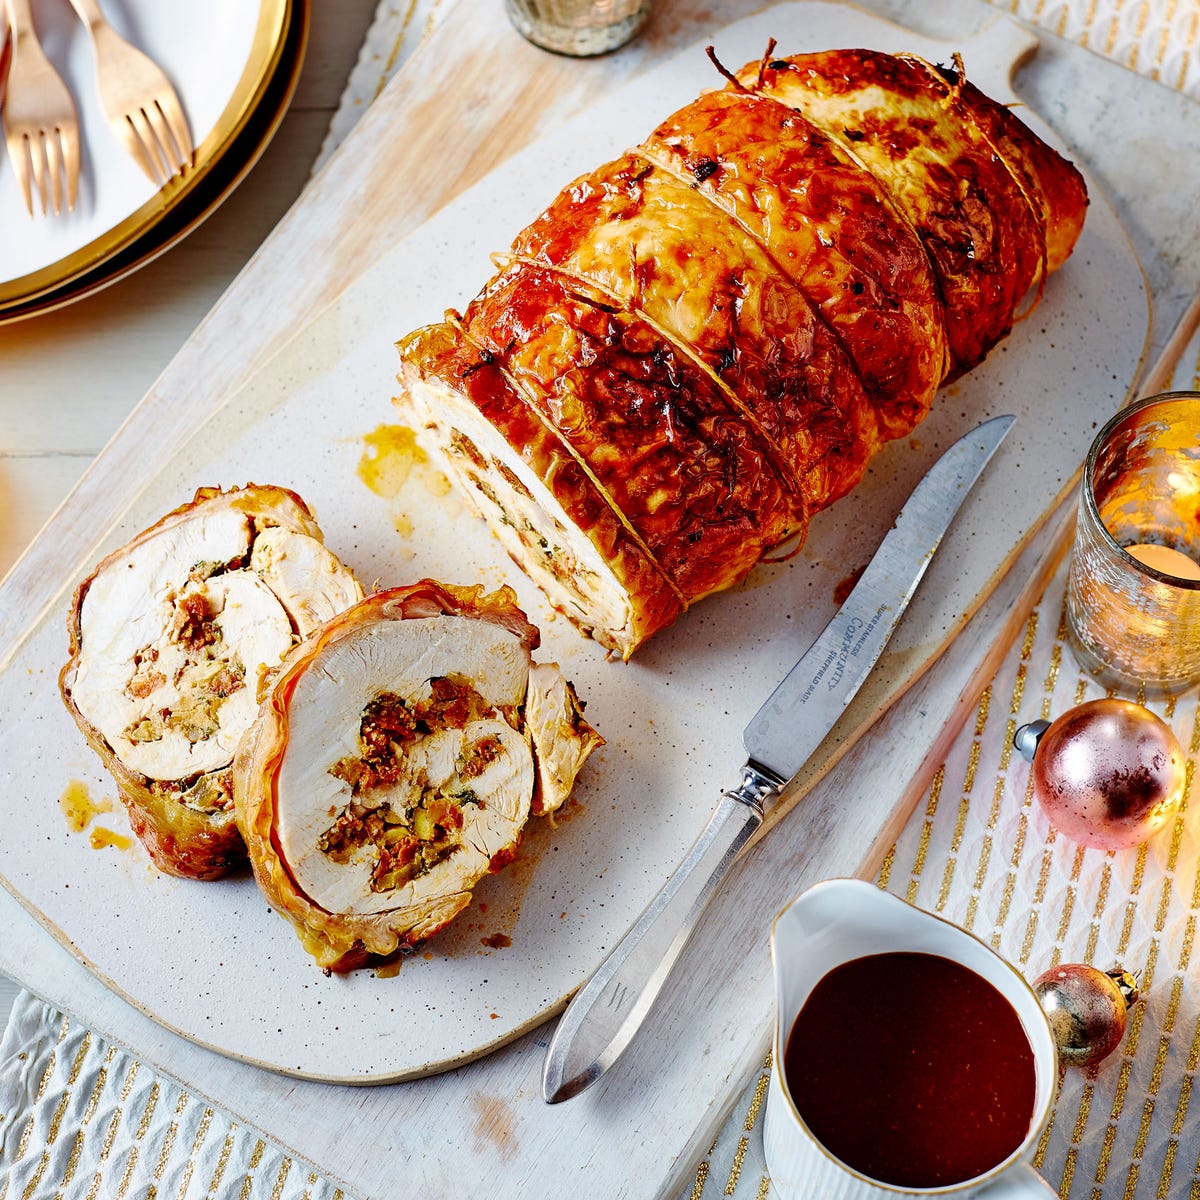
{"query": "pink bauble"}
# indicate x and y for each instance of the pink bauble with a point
(1108, 773)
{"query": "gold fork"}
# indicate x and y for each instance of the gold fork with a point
(41, 128)
(140, 103)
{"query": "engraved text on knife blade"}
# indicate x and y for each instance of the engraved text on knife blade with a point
(854, 637)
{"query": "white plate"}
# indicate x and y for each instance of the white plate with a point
(218, 54)
(210, 960)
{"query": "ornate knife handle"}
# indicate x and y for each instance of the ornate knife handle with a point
(618, 996)
(757, 787)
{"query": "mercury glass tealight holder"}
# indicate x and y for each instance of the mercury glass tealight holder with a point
(580, 28)
(1133, 589)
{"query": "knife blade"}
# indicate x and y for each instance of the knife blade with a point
(608, 1009)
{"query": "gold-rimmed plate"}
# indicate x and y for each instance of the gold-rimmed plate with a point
(229, 61)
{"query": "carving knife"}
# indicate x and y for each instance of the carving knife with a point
(606, 1012)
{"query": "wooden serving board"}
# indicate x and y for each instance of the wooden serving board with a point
(335, 377)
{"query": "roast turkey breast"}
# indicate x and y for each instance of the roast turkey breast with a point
(702, 343)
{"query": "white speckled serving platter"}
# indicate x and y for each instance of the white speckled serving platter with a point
(210, 960)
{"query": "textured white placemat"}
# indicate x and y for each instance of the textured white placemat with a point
(80, 1118)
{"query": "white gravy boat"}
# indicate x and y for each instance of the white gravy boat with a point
(844, 919)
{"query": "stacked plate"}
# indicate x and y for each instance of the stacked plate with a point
(234, 65)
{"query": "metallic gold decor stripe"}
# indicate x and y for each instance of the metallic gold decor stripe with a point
(931, 806)
(981, 714)
(127, 1176)
(956, 838)
(94, 1190)
(760, 1091)
(985, 854)
(1039, 898)
(1068, 908)
(169, 1140)
(214, 1185)
(281, 1178)
(885, 867)
(110, 1134)
(1093, 936)
(47, 1075)
(148, 1112)
(73, 1159)
(701, 1179)
(1131, 904)
(1052, 676)
(57, 1119)
(1189, 42)
(964, 802)
(65, 1101)
(739, 1157)
(972, 765)
(1068, 1174)
(31, 1189)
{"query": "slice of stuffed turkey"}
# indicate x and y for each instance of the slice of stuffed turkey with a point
(394, 763)
(169, 639)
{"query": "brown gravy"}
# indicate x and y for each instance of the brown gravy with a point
(911, 1069)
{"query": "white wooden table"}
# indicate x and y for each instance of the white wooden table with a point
(69, 378)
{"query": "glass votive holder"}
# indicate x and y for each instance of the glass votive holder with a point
(1133, 588)
(581, 28)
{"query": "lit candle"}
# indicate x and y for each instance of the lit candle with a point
(1166, 560)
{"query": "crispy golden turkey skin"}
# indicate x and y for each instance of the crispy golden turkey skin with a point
(395, 762)
(710, 336)
(170, 638)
